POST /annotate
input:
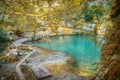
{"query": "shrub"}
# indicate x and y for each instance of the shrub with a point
(18, 32)
(4, 40)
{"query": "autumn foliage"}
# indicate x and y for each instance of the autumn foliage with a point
(111, 50)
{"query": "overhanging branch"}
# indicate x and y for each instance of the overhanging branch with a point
(20, 13)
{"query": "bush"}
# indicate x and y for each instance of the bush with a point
(18, 32)
(4, 40)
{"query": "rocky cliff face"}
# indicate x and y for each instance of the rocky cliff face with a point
(110, 56)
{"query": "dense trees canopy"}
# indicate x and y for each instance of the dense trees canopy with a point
(49, 13)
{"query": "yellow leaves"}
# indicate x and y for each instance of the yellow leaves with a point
(77, 2)
(98, 25)
(83, 73)
(67, 31)
(95, 18)
(81, 22)
(115, 70)
(110, 24)
(73, 16)
(56, 70)
(42, 17)
(24, 14)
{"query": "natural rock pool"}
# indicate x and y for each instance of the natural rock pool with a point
(83, 49)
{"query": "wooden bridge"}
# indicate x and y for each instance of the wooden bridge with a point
(41, 72)
(17, 67)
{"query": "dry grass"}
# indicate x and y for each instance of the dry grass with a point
(66, 67)
(29, 75)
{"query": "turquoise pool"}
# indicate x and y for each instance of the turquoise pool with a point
(82, 48)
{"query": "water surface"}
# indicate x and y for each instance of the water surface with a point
(82, 48)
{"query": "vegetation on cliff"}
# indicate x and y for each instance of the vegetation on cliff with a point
(110, 56)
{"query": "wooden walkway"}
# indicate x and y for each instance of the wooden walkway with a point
(41, 72)
(17, 67)
(20, 41)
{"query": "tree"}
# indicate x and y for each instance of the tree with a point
(4, 40)
(110, 56)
